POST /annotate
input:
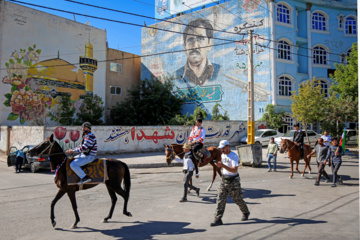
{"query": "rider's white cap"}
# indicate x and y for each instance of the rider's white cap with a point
(223, 143)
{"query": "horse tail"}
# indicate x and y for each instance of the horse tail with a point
(127, 179)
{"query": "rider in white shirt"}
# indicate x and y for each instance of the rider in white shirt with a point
(197, 137)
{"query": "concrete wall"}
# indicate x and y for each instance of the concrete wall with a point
(130, 76)
(40, 56)
(226, 81)
(125, 139)
(4, 140)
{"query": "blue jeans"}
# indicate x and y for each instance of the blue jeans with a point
(270, 155)
(80, 161)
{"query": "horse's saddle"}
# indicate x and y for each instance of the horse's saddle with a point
(96, 170)
(200, 154)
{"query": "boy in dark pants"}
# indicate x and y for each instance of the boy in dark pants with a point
(335, 152)
(18, 160)
(188, 170)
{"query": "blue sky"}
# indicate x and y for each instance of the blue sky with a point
(119, 36)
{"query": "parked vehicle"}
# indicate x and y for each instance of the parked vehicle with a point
(313, 137)
(263, 136)
(350, 137)
(34, 163)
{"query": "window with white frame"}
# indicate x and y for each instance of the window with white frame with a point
(350, 25)
(289, 120)
(319, 55)
(284, 50)
(115, 67)
(324, 87)
(115, 90)
(285, 86)
(318, 21)
(282, 14)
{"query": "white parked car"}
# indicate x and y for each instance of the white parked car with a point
(263, 136)
(313, 137)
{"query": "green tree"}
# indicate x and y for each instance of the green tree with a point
(308, 103)
(64, 114)
(91, 111)
(346, 76)
(150, 103)
(273, 120)
(216, 115)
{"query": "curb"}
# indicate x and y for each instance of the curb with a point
(153, 165)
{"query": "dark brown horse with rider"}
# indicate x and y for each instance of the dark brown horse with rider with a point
(117, 171)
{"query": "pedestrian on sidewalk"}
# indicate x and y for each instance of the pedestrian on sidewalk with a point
(18, 160)
(335, 152)
(188, 170)
(321, 158)
(271, 154)
(230, 184)
(327, 138)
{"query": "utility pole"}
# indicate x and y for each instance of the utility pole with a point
(251, 118)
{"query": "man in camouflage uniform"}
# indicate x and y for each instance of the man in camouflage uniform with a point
(230, 184)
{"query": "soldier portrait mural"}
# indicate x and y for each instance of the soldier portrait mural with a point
(205, 53)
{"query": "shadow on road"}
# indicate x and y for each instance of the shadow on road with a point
(254, 193)
(143, 230)
(280, 220)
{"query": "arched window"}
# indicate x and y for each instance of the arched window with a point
(282, 14)
(285, 86)
(319, 55)
(318, 21)
(340, 21)
(350, 25)
(284, 50)
(324, 87)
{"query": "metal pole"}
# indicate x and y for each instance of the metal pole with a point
(251, 120)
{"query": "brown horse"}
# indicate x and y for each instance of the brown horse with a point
(295, 155)
(117, 172)
(173, 150)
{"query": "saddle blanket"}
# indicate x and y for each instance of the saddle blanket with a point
(96, 170)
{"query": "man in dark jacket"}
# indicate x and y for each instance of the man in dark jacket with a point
(299, 139)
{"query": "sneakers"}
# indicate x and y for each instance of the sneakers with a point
(198, 192)
(216, 222)
(85, 179)
(245, 216)
(333, 185)
(316, 184)
(341, 181)
(274, 170)
(269, 170)
(183, 200)
(327, 180)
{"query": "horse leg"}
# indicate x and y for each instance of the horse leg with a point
(306, 164)
(125, 195)
(72, 198)
(292, 168)
(59, 195)
(297, 166)
(213, 178)
(113, 202)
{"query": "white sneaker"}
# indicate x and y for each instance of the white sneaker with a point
(269, 170)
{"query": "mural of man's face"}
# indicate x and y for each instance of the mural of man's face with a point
(197, 45)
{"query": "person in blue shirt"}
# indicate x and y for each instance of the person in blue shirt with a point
(335, 152)
(18, 160)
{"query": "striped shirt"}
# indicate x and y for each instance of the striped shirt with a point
(89, 141)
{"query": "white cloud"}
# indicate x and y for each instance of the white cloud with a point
(223, 52)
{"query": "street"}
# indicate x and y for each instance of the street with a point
(281, 208)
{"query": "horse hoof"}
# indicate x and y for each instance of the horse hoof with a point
(104, 220)
(53, 224)
(208, 189)
(309, 172)
(128, 214)
(73, 226)
(291, 177)
(302, 175)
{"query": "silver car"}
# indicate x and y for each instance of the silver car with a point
(263, 136)
(313, 137)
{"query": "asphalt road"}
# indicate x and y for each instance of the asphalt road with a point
(281, 208)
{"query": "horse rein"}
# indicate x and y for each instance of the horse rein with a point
(173, 154)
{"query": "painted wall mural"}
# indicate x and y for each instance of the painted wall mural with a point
(37, 86)
(208, 56)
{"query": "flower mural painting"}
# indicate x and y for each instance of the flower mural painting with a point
(60, 133)
(25, 99)
(74, 135)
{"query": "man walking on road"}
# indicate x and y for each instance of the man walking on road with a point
(230, 184)
(321, 158)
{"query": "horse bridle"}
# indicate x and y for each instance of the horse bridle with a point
(287, 145)
(173, 154)
(49, 152)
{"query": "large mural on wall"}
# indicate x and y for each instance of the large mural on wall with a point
(37, 86)
(207, 56)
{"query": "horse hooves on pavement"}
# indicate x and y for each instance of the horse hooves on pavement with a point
(53, 224)
(302, 175)
(73, 226)
(128, 214)
(291, 177)
(104, 220)
(208, 189)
